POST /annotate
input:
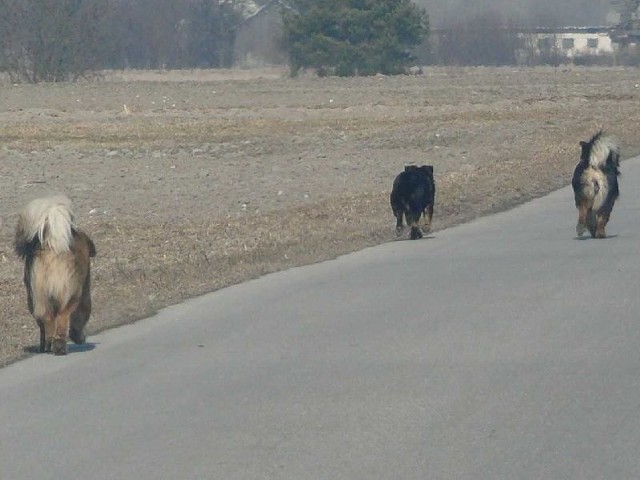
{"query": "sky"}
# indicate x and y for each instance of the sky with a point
(538, 13)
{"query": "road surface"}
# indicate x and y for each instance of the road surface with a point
(501, 349)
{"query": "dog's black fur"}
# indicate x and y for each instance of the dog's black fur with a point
(595, 183)
(412, 195)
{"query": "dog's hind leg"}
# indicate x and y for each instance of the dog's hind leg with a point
(592, 223)
(398, 210)
(428, 215)
(413, 221)
(43, 337)
(59, 342)
(583, 212)
(601, 222)
(76, 333)
(46, 332)
(399, 226)
(81, 314)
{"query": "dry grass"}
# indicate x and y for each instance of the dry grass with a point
(205, 180)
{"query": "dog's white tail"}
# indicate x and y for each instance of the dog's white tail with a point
(50, 219)
(602, 146)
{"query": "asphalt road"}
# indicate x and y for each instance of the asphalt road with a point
(501, 349)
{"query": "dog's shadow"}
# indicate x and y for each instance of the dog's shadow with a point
(407, 239)
(71, 348)
(589, 237)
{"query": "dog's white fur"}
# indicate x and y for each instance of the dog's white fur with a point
(596, 187)
(595, 181)
(600, 150)
(51, 220)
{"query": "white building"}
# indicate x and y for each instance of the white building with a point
(569, 41)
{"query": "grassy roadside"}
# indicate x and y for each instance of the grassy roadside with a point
(492, 150)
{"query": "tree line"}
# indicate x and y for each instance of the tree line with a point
(59, 40)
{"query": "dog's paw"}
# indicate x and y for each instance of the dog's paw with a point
(580, 229)
(416, 233)
(59, 346)
(399, 230)
(76, 336)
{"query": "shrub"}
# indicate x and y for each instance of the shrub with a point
(353, 37)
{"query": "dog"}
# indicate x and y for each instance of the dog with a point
(57, 271)
(412, 196)
(595, 183)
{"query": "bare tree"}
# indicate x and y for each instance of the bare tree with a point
(485, 39)
(213, 31)
(173, 33)
(49, 40)
(58, 40)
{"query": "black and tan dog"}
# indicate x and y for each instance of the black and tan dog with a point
(413, 195)
(57, 271)
(595, 183)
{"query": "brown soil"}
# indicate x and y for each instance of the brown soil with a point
(192, 181)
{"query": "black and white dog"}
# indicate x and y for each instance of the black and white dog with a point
(595, 183)
(413, 194)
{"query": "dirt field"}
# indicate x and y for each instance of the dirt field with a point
(191, 181)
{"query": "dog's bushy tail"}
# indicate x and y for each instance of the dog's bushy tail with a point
(604, 151)
(48, 221)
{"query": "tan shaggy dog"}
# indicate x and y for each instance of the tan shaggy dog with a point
(57, 271)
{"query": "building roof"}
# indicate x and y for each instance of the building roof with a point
(250, 8)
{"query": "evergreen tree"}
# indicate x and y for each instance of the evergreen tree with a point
(353, 37)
